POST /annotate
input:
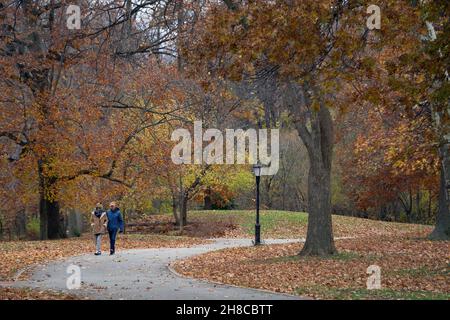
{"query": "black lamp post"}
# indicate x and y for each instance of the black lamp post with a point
(257, 173)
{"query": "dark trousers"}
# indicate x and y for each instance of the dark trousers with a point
(112, 239)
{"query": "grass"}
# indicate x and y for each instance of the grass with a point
(270, 220)
(422, 272)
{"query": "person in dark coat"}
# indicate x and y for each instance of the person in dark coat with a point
(115, 224)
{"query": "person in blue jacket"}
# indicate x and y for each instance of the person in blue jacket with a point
(115, 224)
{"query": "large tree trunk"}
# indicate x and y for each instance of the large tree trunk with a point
(49, 215)
(319, 143)
(50, 219)
(53, 219)
(442, 229)
(319, 237)
(207, 203)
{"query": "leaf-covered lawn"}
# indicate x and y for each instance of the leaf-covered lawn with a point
(16, 255)
(274, 224)
(411, 268)
(288, 224)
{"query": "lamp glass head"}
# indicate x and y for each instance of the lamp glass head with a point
(257, 170)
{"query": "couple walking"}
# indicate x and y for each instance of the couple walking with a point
(103, 221)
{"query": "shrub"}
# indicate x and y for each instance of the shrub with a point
(76, 233)
(33, 229)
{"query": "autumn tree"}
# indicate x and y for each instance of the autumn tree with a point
(309, 50)
(214, 107)
(419, 75)
(71, 106)
(392, 159)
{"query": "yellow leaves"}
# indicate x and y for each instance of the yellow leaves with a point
(399, 164)
(420, 78)
(315, 105)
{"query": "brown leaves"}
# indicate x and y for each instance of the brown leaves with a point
(407, 266)
(28, 294)
(391, 154)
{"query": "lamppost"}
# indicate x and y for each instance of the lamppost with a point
(257, 173)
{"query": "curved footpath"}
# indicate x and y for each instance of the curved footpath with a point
(144, 274)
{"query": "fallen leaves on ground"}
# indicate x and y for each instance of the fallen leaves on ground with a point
(30, 294)
(209, 227)
(274, 224)
(343, 226)
(410, 268)
(17, 255)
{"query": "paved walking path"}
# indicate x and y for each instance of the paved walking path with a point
(144, 274)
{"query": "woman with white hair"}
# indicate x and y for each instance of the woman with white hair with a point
(115, 224)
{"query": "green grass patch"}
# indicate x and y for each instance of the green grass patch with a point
(421, 272)
(270, 220)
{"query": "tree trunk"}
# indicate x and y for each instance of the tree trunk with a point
(319, 143)
(418, 214)
(175, 210)
(268, 186)
(50, 219)
(207, 199)
(319, 238)
(442, 229)
(49, 215)
(407, 206)
(409, 215)
(179, 7)
(43, 217)
(54, 219)
(183, 211)
(429, 205)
